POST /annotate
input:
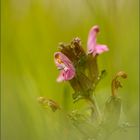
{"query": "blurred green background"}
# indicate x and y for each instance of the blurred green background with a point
(31, 31)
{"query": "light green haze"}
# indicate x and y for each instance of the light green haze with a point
(30, 33)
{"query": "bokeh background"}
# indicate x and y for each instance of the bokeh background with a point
(31, 31)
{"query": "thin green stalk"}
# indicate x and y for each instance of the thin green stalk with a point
(95, 107)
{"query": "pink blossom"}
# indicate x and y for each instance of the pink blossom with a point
(67, 70)
(93, 47)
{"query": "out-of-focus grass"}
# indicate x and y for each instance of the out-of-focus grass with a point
(31, 31)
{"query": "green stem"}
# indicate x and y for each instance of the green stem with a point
(114, 89)
(95, 108)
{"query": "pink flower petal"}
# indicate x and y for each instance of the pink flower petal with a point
(66, 75)
(69, 74)
(91, 43)
(61, 60)
(101, 48)
(60, 77)
(92, 46)
(65, 65)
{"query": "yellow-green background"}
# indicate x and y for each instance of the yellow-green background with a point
(31, 31)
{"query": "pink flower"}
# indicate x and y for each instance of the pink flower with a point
(67, 70)
(93, 47)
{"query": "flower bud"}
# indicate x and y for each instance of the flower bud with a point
(112, 111)
(73, 51)
(45, 102)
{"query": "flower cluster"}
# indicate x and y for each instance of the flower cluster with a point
(80, 67)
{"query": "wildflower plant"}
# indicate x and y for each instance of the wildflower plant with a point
(80, 69)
